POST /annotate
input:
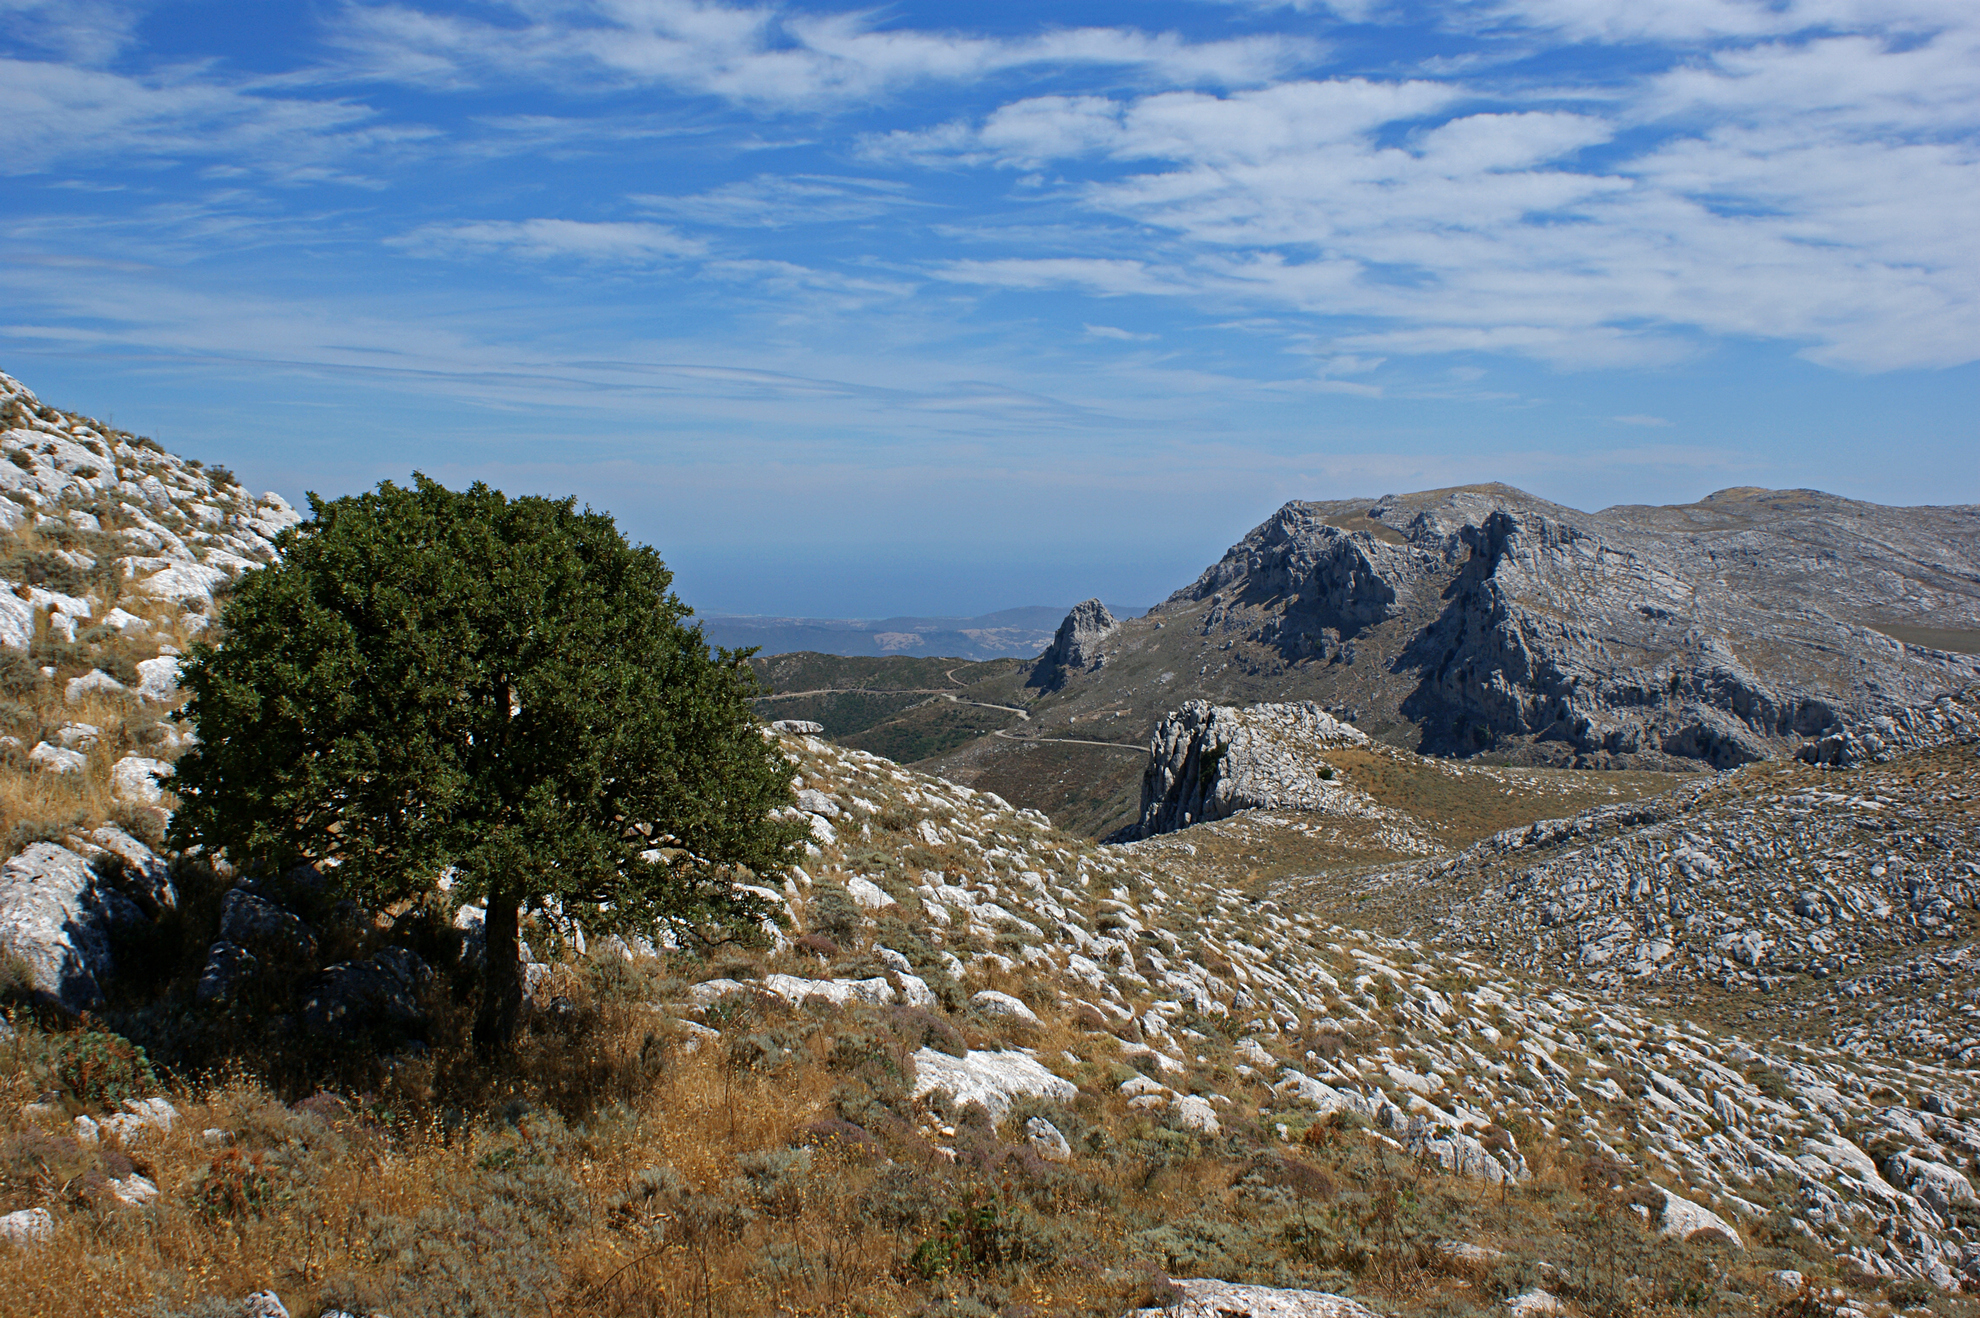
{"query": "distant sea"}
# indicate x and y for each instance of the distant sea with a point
(1009, 633)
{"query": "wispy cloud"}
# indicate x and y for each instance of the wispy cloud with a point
(779, 201)
(607, 242)
(61, 112)
(1118, 334)
(760, 54)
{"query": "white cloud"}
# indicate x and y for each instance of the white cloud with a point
(88, 32)
(56, 112)
(1108, 277)
(762, 55)
(1116, 333)
(780, 201)
(614, 243)
(1818, 190)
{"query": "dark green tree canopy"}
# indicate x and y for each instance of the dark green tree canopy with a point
(433, 679)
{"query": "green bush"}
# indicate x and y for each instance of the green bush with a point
(100, 1069)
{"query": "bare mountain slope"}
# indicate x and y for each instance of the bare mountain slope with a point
(1481, 620)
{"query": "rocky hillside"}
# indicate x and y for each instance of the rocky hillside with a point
(112, 556)
(974, 1018)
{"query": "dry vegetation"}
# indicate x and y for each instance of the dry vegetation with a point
(624, 1165)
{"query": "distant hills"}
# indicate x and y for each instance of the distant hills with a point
(1009, 633)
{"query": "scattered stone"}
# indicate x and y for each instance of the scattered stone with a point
(867, 893)
(1046, 1139)
(26, 1227)
(992, 1003)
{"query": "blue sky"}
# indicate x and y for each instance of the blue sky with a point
(945, 308)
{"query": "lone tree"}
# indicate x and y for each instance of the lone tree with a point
(433, 680)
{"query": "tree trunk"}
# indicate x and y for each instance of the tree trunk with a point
(501, 979)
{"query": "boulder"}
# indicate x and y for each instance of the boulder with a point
(1684, 1220)
(875, 992)
(28, 1226)
(135, 778)
(992, 1003)
(867, 893)
(228, 967)
(159, 679)
(1193, 1113)
(1207, 762)
(1205, 1297)
(58, 759)
(798, 727)
(139, 872)
(263, 1304)
(56, 916)
(94, 682)
(355, 999)
(990, 1078)
(1045, 1138)
(254, 922)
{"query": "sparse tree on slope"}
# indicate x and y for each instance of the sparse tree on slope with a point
(432, 678)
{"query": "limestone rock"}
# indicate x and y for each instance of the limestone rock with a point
(1209, 761)
(1209, 1298)
(867, 893)
(1076, 647)
(874, 992)
(992, 1003)
(159, 679)
(58, 758)
(263, 1304)
(228, 967)
(254, 922)
(356, 999)
(27, 1227)
(1045, 1137)
(798, 727)
(57, 917)
(94, 682)
(135, 778)
(1686, 1220)
(990, 1078)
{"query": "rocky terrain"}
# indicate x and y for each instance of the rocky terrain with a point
(1348, 1030)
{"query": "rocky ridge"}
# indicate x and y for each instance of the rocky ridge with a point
(119, 522)
(1725, 630)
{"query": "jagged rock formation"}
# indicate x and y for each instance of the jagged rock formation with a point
(1076, 647)
(1722, 631)
(1210, 761)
